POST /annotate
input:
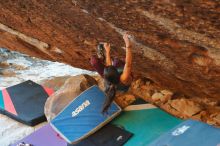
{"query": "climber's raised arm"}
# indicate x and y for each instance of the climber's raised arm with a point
(126, 77)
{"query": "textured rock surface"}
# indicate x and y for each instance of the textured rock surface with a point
(179, 105)
(16, 68)
(187, 107)
(176, 42)
(71, 89)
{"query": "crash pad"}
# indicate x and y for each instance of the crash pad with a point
(25, 102)
(45, 136)
(83, 116)
(109, 135)
(190, 133)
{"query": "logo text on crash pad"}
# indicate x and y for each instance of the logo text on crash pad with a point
(180, 130)
(80, 108)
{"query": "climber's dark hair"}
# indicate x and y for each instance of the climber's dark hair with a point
(111, 79)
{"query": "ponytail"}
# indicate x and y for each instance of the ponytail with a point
(111, 78)
(110, 91)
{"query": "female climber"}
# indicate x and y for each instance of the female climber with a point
(116, 73)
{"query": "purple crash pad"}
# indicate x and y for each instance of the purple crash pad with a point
(45, 136)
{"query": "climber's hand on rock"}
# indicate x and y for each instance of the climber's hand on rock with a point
(107, 47)
(127, 40)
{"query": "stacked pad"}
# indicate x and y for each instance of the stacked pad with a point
(146, 122)
(24, 102)
(190, 133)
(83, 116)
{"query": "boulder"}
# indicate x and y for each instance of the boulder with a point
(125, 99)
(185, 106)
(70, 90)
(157, 96)
(54, 83)
(216, 117)
(162, 96)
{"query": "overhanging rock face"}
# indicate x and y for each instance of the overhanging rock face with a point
(176, 42)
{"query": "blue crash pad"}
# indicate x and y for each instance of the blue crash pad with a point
(190, 133)
(83, 116)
